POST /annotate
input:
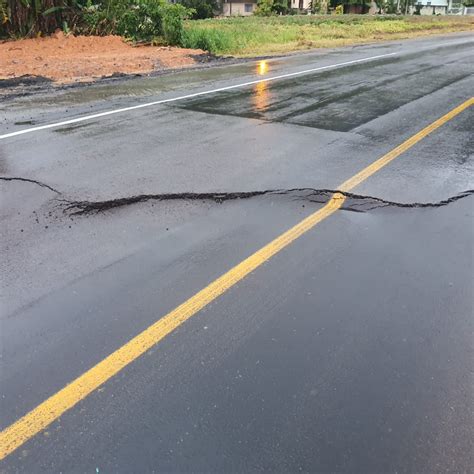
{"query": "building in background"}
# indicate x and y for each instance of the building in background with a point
(421, 7)
(238, 7)
(430, 7)
(303, 5)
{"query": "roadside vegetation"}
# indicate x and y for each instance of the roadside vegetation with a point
(137, 20)
(255, 36)
(188, 23)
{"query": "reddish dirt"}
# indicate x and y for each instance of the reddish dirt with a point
(84, 58)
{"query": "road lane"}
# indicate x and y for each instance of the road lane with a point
(220, 153)
(38, 419)
(191, 96)
(146, 307)
(241, 154)
(280, 374)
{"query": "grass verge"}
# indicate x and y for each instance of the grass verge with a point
(257, 36)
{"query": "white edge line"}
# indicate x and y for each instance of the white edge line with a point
(188, 96)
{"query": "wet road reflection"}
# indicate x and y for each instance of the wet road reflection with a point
(262, 68)
(341, 99)
(261, 94)
(261, 97)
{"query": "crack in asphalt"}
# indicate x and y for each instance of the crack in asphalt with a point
(311, 194)
(27, 180)
(367, 203)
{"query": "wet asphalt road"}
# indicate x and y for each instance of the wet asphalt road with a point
(349, 351)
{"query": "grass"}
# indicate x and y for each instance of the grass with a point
(258, 36)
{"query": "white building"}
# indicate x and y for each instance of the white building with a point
(431, 7)
(238, 7)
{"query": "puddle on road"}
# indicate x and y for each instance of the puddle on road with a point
(133, 87)
(338, 100)
(150, 86)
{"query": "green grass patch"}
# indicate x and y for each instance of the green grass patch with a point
(253, 36)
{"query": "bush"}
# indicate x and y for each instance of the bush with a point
(264, 8)
(280, 7)
(208, 39)
(272, 7)
(139, 20)
(142, 20)
(172, 23)
(202, 8)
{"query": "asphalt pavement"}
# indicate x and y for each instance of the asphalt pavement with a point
(347, 349)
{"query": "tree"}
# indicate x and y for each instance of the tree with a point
(363, 5)
(203, 8)
(405, 6)
(272, 7)
(319, 6)
(264, 8)
(30, 17)
(380, 5)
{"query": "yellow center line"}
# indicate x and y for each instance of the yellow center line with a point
(51, 409)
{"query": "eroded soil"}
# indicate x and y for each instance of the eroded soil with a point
(66, 59)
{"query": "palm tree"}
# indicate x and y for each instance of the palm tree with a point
(30, 17)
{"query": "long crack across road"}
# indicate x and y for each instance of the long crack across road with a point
(355, 202)
(27, 180)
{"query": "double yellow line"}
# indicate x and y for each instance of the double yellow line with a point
(44, 414)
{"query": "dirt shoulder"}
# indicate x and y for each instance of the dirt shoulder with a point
(68, 59)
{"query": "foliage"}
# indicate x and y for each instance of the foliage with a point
(202, 8)
(3, 13)
(256, 36)
(380, 5)
(395, 7)
(172, 22)
(405, 5)
(280, 7)
(30, 17)
(319, 6)
(145, 20)
(212, 40)
(390, 6)
(264, 8)
(336, 3)
(139, 20)
(272, 7)
(387, 6)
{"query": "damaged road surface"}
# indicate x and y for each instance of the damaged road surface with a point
(264, 266)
